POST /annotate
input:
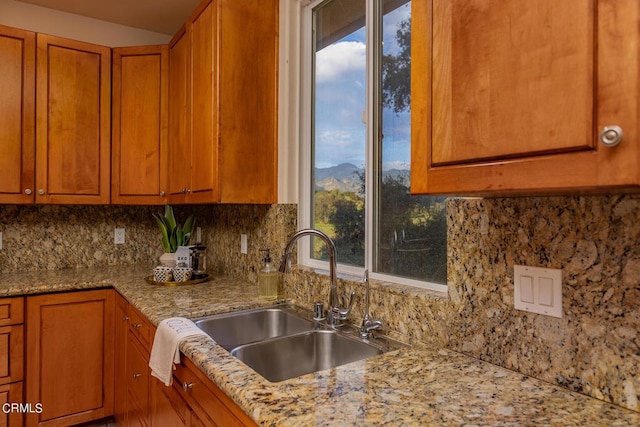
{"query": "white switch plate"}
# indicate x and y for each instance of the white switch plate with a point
(243, 243)
(538, 290)
(118, 236)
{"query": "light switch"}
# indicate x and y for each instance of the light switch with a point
(538, 290)
(545, 291)
(526, 289)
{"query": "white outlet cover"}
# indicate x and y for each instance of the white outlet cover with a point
(118, 236)
(243, 243)
(538, 290)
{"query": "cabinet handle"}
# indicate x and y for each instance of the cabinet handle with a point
(187, 386)
(125, 318)
(136, 376)
(41, 192)
(27, 191)
(162, 194)
(611, 136)
(137, 325)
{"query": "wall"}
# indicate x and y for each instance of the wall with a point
(55, 237)
(63, 24)
(593, 349)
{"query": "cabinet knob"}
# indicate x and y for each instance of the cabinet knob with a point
(611, 136)
(137, 325)
(187, 386)
(27, 191)
(136, 376)
(125, 318)
(41, 192)
(162, 194)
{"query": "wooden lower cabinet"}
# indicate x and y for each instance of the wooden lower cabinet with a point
(193, 400)
(69, 362)
(11, 394)
(211, 405)
(12, 361)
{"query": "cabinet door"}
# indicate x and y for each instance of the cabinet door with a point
(17, 121)
(138, 375)
(72, 122)
(139, 137)
(179, 125)
(248, 101)
(168, 408)
(202, 28)
(511, 96)
(70, 356)
(120, 359)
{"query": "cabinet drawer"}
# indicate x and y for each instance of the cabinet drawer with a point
(140, 327)
(11, 311)
(11, 393)
(11, 353)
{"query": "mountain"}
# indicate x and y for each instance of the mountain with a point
(346, 177)
(343, 177)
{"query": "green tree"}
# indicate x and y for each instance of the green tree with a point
(396, 72)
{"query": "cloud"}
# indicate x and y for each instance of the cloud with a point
(339, 59)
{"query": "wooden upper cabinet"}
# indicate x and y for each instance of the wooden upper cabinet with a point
(17, 121)
(223, 129)
(73, 126)
(179, 117)
(511, 97)
(139, 125)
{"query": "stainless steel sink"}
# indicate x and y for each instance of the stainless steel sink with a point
(282, 358)
(283, 341)
(234, 329)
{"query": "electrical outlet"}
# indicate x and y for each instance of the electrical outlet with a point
(0, 240)
(243, 244)
(118, 236)
(198, 235)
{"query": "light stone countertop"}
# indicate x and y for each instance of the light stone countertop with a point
(413, 386)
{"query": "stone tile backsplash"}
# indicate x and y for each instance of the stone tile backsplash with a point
(593, 349)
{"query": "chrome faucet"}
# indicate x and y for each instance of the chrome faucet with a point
(336, 313)
(368, 323)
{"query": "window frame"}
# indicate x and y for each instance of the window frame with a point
(372, 154)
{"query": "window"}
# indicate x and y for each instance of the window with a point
(356, 145)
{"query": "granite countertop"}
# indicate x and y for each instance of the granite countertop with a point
(419, 385)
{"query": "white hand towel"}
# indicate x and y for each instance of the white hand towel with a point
(165, 350)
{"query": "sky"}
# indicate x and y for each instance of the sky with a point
(340, 102)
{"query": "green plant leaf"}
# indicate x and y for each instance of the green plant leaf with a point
(179, 236)
(163, 231)
(173, 240)
(188, 226)
(169, 217)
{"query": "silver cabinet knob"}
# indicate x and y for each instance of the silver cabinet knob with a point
(41, 192)
(137, 325)
(27, 191)
(187, 386)
(136, 376)
(162, 193)
(611, 136)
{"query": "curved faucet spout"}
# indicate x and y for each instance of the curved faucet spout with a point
(336, 313)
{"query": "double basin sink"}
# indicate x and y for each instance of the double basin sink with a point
(283, 341)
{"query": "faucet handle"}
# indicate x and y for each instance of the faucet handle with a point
(343, 312)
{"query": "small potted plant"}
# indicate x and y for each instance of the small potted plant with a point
(173, 234)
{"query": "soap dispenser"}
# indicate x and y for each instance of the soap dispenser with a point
(268, 278)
